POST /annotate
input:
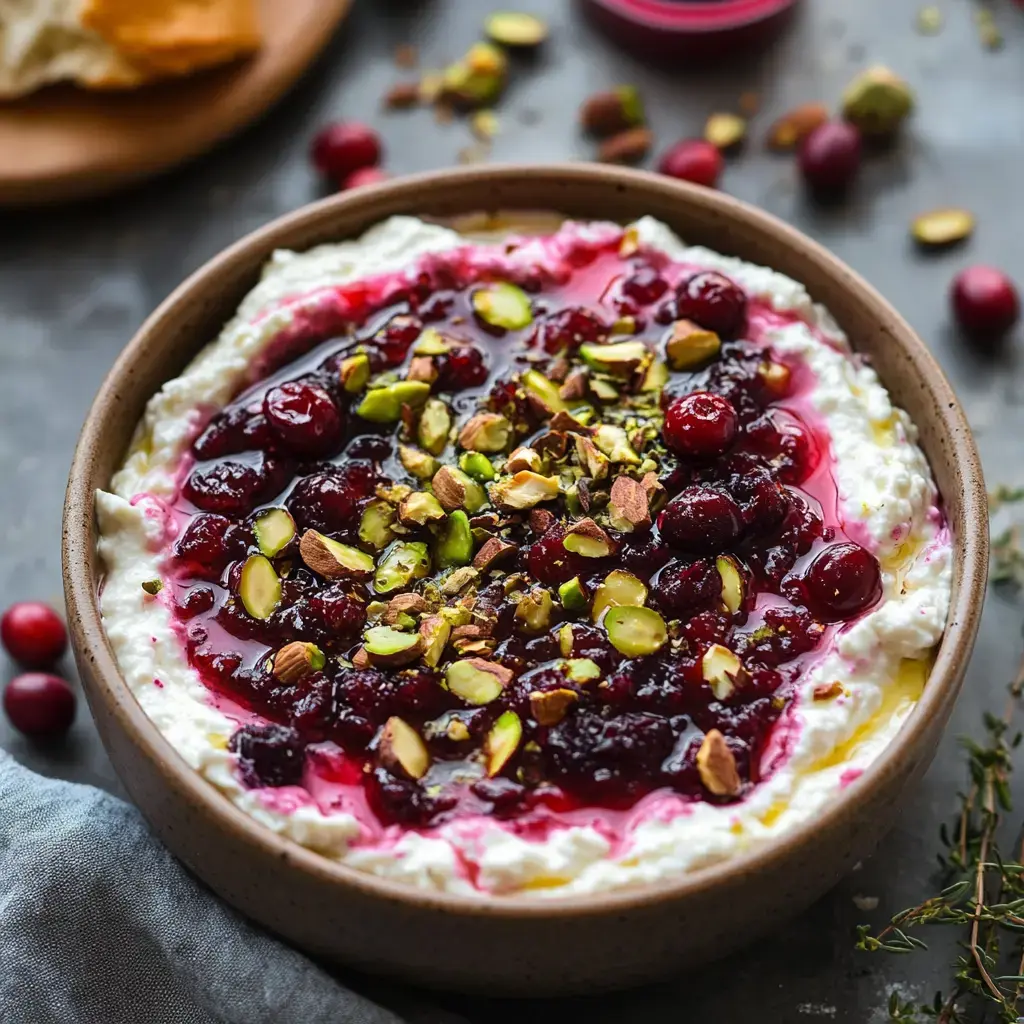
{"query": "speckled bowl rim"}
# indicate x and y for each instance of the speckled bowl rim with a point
(110, 688)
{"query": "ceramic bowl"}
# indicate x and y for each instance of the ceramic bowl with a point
(522, 945)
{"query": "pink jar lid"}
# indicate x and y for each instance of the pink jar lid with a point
(698, 27)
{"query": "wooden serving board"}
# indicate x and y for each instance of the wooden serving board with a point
(67, 143)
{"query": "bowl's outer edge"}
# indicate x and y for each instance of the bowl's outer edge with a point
(521, 946)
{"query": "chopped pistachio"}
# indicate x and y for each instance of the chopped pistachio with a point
(590, 457)
(419, 508)
(478, 79)
(402, 750)
(384, 404)
(259, 587)
(614, 442)
(690, 345)
(459, 579)
(476, 680)
(733, 586)
(618, 359)
(524, 458)
(582, 670)
(404, 604)
(628, 508)
(420, 464)
(376, 522)
(511, 28)
(454, 545)
(549, 707)
(434, 426)
(656, 376)
(573, 596)
(478, 466)
(524, 490)
(153, 586)
(503, 305)
(533, 613)
(431, 342)
(502, 741)
(402, 563)
(544, 392)
(725, 131)
(586, 538)
(435, 631)
(486, 432)
(716, 765)
(721, 669)
(297, 660)
(274, 530)
(942, 227)
(603, 390)
(332, 559)
(388, 646)
(456, 489)
(620, 588)
(635, 631)
(354, 372)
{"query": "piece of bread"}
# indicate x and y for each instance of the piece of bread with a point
(115, 44)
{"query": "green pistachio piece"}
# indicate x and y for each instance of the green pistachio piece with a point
(586, 538)
(733, 586)
(420, 464)
(533, 613)
(435, 423)
(573, 596)
(375, 525)
(402, 563)
(477, 465)
(618, 359)
(620, 588)
(877, 101)
(384, 405)
(153, 587)
(419, 508)
(478, 79)
(389, 646)
(454, 545)
(635, 631)
(485, 432)
(435, 630)
(354, 372)
(510, 28)
(476, 680)
(259, 587)
(689, 345)
(656, 376)
(524, 490)
(545, 391)
(614, 442)
(502, 741)
(431, 343)
(503, 305)
(603, 390)
(582, 670)
(274, 530)
(456, 489)
(331, 558)
(565, 640)
(402, 750)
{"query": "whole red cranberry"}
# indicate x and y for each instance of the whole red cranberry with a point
(842, 581)
(700, 519)
(693, 160)
(364, 176)
(304, 416)
(700, 425)
(33, 634)
(713, 301)
(344, 147)
(39, 705)
(985, 301)
(830, 156)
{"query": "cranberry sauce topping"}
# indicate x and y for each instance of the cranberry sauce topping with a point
(538, 533)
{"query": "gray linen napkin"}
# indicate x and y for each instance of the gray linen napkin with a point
(99, 924)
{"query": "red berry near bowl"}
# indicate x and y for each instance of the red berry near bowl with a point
(33, 634)
(344, 147)
(985, 301)
(700, 425)
(364, 176)
(693, 160)
(39, 705)
(830, 157)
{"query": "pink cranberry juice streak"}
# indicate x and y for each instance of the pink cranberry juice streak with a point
(230, 653)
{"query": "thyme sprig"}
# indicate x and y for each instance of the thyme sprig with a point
(984, 897)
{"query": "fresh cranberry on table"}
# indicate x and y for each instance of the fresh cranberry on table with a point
(364, 176)
(700, 425)
(39, 705)
(985, 301)
(714, 302)
(304, 416)
(693, 160)
(344, 147)
(842, 581)
(33, 634)
(701, 519)
(830, 157)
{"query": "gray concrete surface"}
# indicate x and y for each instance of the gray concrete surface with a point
(77, 281)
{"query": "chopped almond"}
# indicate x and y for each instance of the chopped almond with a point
(629, 509)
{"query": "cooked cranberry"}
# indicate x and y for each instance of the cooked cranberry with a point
(233, 487)
(683, 588)
(700, 425)
(401, 800)
(843, 580)
(693, 160)
(344, 147)
(33, 634)
(645, 285)
(503, 794)
(39, 705)
(784, 634)
(195, 601)
(304, 416)
(567, 329)
(208, 544)
(985, 301)
(327, 500)
(700, 519)
(394, 339)
(707, 628)
(370, 446)
(643, 554)
(312, 708)
(268, 755)
(463, 367)
(830, 156)
(235, 430)
(713, 301)
(337, 613)
(549, 562)
(364, 176)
